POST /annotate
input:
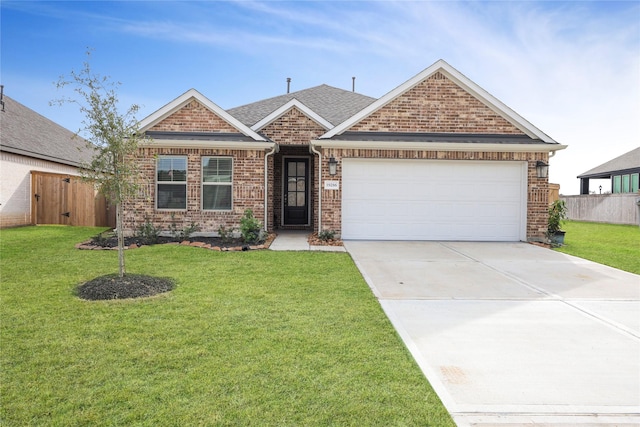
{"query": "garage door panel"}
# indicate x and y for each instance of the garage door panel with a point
(433, 200)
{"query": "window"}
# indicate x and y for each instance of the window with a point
(626, 181)
(617, 184)
(171, 183)
(217, 186)
(635, 178)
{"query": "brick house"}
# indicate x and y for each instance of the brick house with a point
(437, 158)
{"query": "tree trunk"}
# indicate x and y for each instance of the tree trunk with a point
(120, 234)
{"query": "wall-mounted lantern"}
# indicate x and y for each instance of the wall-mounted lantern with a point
(333, 166)
(542, 169)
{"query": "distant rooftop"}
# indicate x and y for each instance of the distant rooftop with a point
(332, 104)
(625, 162)
(25, 132)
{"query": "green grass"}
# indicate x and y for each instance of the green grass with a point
(246, 338)
(610, 244)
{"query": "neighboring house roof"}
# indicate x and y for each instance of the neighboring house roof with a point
(330, 103)
(25, 132)
(245, 137)
(625, 163)
(462, 81)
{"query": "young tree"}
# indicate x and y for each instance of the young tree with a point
(111, 135)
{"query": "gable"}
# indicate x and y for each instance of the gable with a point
(300, 107)
(436, 105)
(451, 98)
(293, 128)
(192, 112)
(194, 117)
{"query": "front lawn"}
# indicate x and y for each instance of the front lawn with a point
(245, 338)
(610, 244)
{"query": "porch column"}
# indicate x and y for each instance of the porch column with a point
(584, 185)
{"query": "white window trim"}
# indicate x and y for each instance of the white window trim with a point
(202, 183)
(186, 201)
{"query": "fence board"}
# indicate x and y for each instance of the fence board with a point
(55, 195)
(609, 208)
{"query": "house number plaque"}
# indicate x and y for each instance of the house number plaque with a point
(332, 185)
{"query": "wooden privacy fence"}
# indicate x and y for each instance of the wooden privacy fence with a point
(67, 200)
(610, 208)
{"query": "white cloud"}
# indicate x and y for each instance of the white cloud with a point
(570, 68)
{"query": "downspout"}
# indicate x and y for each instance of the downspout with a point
(313, 150)
(266, 185)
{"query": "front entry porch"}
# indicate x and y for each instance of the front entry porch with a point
(293, 189)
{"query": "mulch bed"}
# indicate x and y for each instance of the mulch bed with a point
(314, 240)
(110, 242)
(113, 286)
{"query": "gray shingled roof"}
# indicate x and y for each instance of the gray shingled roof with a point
(333, 104)
(25, 132)
(630, 160)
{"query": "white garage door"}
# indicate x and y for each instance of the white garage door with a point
(403, 199)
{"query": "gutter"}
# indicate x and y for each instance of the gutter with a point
(204, 144)
(313, 150)
(437, 146)
(274, 150)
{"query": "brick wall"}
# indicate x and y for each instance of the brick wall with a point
(537, 189)
(194, 117)
(436, 105)
(293, 128)
(248, 190)
(293, 131)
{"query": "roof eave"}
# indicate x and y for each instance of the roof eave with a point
(207, 144)
(437, 146)
(609, 174)
(53, 159)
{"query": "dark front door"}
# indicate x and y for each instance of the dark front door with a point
(296, 191)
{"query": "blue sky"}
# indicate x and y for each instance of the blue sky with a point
(570, 68)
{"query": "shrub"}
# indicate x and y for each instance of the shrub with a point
(325, 235)
(182, 233)
(226, 234)
(186, 232)
(557, 213)
(148, 232)
(250, 228)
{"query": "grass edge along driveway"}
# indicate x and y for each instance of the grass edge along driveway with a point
(246, 338)
(614, 245)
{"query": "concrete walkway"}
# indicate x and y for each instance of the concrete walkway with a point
(513, 334)
(294, 240)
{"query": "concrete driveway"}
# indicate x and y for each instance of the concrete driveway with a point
(511, 333)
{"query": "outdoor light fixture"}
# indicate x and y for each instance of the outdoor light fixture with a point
(333, 166)
(542, 169)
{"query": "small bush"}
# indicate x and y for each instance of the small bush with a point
(186, 232)
(148, 232)
(557, 214)
(250, 228)
(226, 234)
(326, 235)
(182, 233)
